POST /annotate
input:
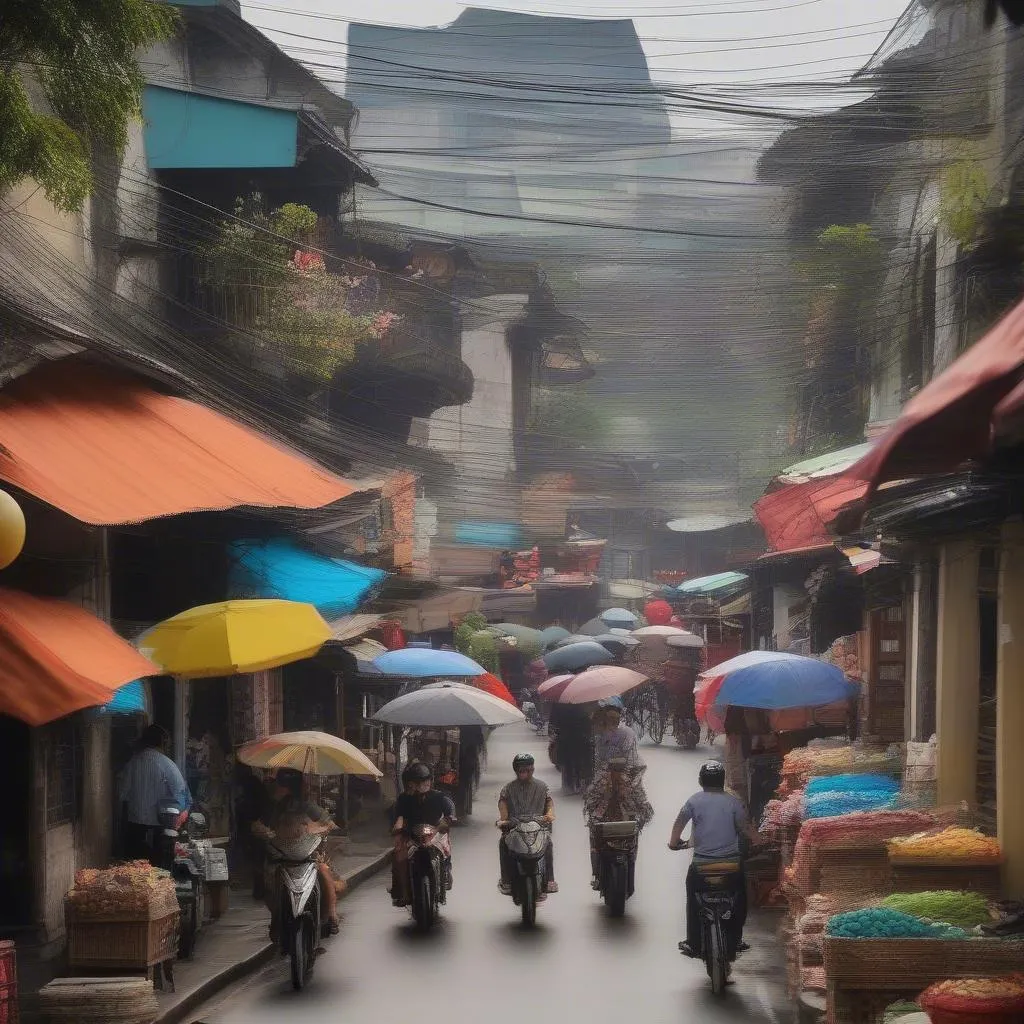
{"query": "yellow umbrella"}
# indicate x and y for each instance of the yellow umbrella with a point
(230, 637)
(312, 753)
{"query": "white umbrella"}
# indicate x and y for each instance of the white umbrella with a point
(448, 705)
(312, 753)
(685, 640)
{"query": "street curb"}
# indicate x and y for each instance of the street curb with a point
(209, 988)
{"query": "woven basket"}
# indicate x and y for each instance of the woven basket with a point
(928, 876)
(121, 945)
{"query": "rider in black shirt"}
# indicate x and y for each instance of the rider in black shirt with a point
(420, 804)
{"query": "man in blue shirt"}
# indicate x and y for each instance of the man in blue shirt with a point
(720, 823)
(149, 780)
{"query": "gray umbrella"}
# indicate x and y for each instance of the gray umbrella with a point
(577, 656)
(448, 705)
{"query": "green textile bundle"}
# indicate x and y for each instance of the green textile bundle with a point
(964, 909)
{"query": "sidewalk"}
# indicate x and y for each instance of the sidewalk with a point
(233, 946)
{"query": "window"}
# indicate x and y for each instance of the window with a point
(65, 763)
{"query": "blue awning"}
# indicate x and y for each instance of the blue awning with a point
(281, 569)
(488, 534)
(130, 699)
(711, 585)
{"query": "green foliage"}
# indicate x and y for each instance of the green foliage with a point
(471, 623)
(845, 256)
(82, 56)
(963, 198)
(567, 419)
(250, 265)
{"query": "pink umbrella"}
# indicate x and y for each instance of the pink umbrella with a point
(553, 687)
(599, 682)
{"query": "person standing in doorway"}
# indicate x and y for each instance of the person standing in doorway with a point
(150, 778)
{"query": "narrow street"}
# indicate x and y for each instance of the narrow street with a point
(577, 964)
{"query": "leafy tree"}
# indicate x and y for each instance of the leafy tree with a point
(563, 419)
(80, 56)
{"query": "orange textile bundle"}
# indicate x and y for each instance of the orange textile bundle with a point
(975, 1000)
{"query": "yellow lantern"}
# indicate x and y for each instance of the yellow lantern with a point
(12, 529)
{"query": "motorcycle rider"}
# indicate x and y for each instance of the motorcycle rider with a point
(525, 797)
(287, 815)
(616, 794)
(720, 824)
(611, 737)
(420, 804)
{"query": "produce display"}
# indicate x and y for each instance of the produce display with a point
(964, 909)
(128, 891)
(951, 844)
(883, 923)
(1002, 999)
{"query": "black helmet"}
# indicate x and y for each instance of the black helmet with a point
(417, 771)
(521, 761)
(712, 775)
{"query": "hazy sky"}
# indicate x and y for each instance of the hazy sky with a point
(688, 43)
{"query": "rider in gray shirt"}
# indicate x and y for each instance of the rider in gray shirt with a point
(719, 819)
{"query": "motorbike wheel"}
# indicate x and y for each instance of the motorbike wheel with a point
(656, 725)
(528, 904)
(299, 956)
(423, 906)
(716, 960)
(615, 895)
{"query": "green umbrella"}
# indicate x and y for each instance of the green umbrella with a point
(528, 640)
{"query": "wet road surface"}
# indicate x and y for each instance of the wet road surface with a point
(479, 964)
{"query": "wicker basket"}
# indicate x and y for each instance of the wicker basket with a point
(135, 944)
(917, 963)
(910, 875)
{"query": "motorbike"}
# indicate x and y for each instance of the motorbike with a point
(716, 902)
(175, 852)
(429, 879)
(616, 849)
(687, 733)
(534, 718)
(297, 897)
(527, 842)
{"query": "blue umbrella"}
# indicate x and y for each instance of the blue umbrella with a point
(619, 617)
(422, 662)
(793, 682)
(577, 656)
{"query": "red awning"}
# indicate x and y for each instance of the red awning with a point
(953, 419)
(103, 447)
(56, 658)
(795, 517)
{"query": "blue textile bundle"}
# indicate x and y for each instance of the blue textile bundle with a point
(852, 784)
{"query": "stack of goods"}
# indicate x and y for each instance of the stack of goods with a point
(975, 1000)
(128, 892)
(103, 1000)
(963, 909)
(883, 923)
(832, 796)
(783, 816)
(919, 773)
(950, 846)
(849, 831)
(810, 930)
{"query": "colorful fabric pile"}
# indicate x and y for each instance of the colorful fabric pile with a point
(780, 815)
(835, 795)
(963, 909)
(883, 923)
(999, 1000)
(950, 845)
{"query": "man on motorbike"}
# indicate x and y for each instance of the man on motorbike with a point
(616, 794)
(611, 737)
(720, 825)
(420, 804)
(288, 815)
(524, 797)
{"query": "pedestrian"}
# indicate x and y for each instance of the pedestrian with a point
(149, 780)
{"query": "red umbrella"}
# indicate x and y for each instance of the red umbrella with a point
(491, 684)
(551, 689)
(658, 612)
(599, 682)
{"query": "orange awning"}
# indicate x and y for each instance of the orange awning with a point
(56, 658)
(101, 446)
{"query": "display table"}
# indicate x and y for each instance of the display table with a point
(865, 975)
(912, 874)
